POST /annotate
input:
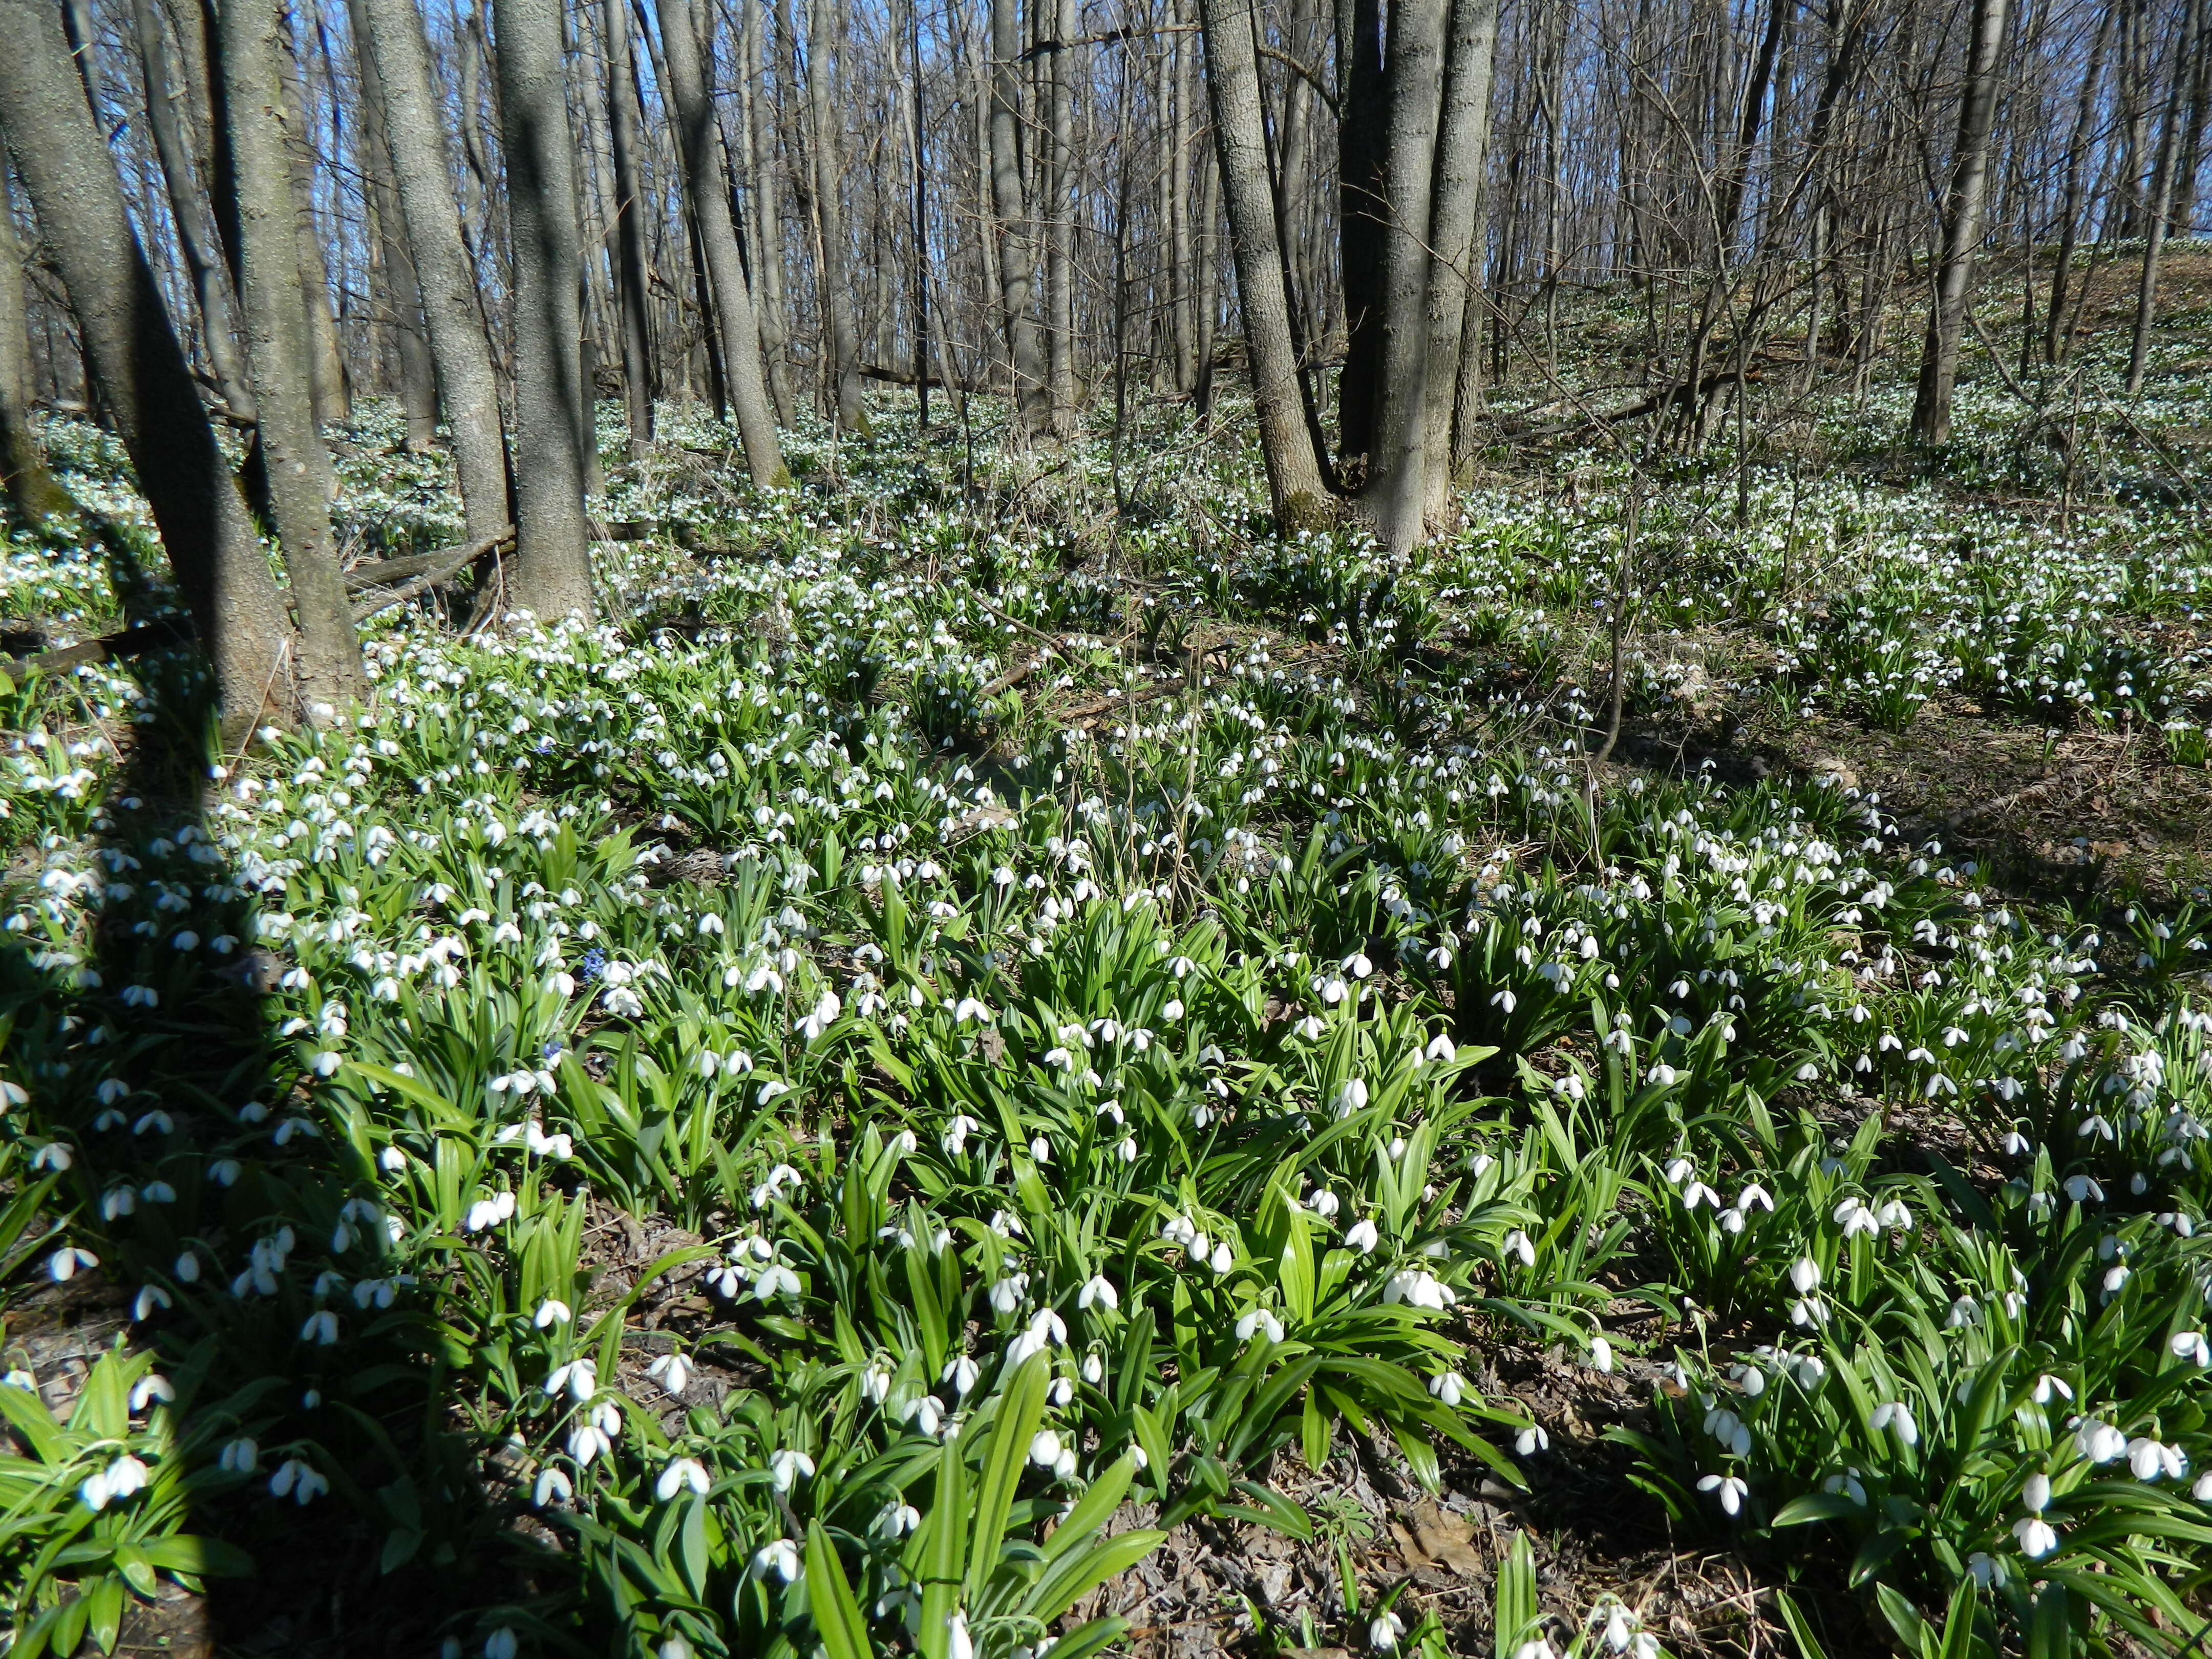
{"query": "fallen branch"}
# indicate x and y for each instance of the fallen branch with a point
(388, 572)
(146, 636)
(445, 563)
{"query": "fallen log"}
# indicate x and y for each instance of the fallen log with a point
(429, 569)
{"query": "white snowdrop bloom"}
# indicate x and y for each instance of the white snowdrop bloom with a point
(2100, 1442)
(1351, 1096)
(962, 1373)
(2046, 1386)
(501, 1643)
(2190, 1346)
(1259, 1320)
(1805, 1275)
(954, 1140)
(2035, 1493)
(299, 1480)
(2037, 1536)
(1754, 1196)
(581, 1377)
(1895, 1415)
(2147, 1459)
(927, 1415)
(775, 1280)
(1449, 1386)
(1362, 1237)
(240, 1456)
(1223, 1258)
(1044, 1449)
(1323, 1204)
(551, 1311)
(682, 1474)
(780, 1558)
(1600, 1354)
(1384, 1630)
(785, 1468)
(958, 1644)
(1097, 1291)
(1418, 1289)
(1518, 1242)
(674, 1372)
(1731, 1490)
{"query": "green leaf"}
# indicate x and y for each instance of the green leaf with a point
(1800, 1629)
(1812, 1506)
(1021, 1408)
(1517, 1608)
(202, 1557)
(837, 1618)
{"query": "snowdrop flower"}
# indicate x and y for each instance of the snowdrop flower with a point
(2099, 1443)
(551, 1311)
(1985, 1570)
(682, 1474)
(2035, 1493)
(1517, 1243)
(1044, 1449)
(1532, 1440)
(2037, 1536)
(1223, 1258)
(581, 1377)
(1732, 1491)
(299, 1480)
(1600, 1354)
(501, 1643)
(1856, 1218)
(672, 1370)
(1449, 1386)
(552, 1487)
(240, 1456)
(2147, 1459)
(1098, 1292)
(2190, 1346)
(2047, 1385)
(775, 1280)
(962, 1373)
(780, 1558)
(1895, 1414)
(119, 1480)
(67, 1262)
(958, 1644)
(785, 1468)
(1350, 1098)
(1258, 1319)
(1362, 1237)
(1385, 1628)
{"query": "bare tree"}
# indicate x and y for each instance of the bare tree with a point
(141, 369)
(1962, 226)
(552, 404)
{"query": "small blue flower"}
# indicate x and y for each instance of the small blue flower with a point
(594, 964)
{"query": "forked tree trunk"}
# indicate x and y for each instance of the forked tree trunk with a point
(1297, 485)
(1962, 226)
(264, 259)
(30, 488)
(709, 189)
(391, 31)
(141, 370)
(553, 568)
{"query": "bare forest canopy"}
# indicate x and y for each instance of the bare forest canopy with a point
(500, 215)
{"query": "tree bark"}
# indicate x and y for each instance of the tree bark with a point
(418, 372)
(1962, 228)
(766, 222)
(624, 122)
(2169, 148)
(266, 267)
(196, 237)
(1362, 216)
(553, 569)
(30, 488)
(328, 383)
(141, 370)
(1060, 224)
(1395, 494)
(709, 189)
(1296, 484)
(1456, 237)
(825, 20)
(1010, 208)
(391, 34)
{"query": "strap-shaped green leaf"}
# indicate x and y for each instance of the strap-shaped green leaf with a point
(837, 1618)
(1021, 1408)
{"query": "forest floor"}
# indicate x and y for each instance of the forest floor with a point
(618, 1148)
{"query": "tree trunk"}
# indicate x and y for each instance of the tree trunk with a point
(196, 238)
(264, 255)
(1962, 228)
(418, 374)
(1010, 209)
(1182, 292)
(694, 115)
(624, 122)
(824, 21)
(1364, 216)
(1060, 224)
(390, 31)
(1455, 235)
(328, 385)
(1296, 484)
(553, 568)
(2161, 202)
(141, 369)
(766, 225)
(30, 488)
(2077, 155)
